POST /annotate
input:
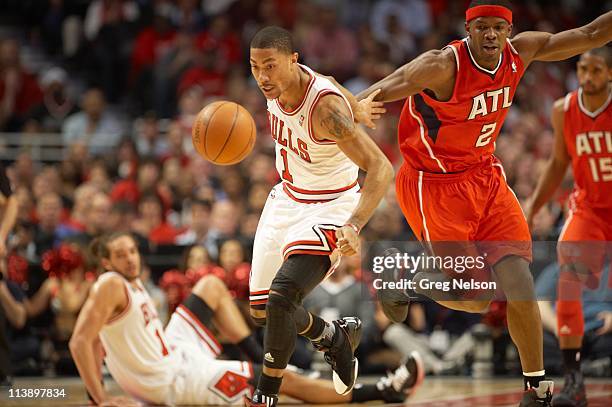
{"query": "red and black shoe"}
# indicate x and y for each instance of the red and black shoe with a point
(540, 396)
(573, 393)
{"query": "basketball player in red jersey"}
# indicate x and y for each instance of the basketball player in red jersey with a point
(451, 187)
(582, 122)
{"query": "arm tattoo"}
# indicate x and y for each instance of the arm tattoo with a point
(337, 124)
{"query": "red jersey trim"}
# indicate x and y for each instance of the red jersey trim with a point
(312, 107)
(123, 312)
(203, 339)
(320, 191)
(324, 246)
(309, 197)
(199, 323)
(262, 292)
(297, 109)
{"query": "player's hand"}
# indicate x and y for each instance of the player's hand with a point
(368, 110)
(606, 316)
(121, 401)
(347, 240)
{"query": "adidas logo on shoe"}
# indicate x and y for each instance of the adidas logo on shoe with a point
(268, 357)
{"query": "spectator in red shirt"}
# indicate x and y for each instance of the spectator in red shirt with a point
(220, 38)
(150, 45)
(19, 90)
(151, 42)
(147, 181)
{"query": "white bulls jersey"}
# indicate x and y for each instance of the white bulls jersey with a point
(309, 167)
(137, 352)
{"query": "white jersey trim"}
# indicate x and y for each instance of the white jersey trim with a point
(456, 54)
(596, 113)
(421, 207)
(491, 72)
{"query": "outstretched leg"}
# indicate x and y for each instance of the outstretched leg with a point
(211, 302)
(523, 316)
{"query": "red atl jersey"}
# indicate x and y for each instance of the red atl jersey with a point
(588, 137)
(452, 136)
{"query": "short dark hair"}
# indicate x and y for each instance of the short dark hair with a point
(503, 3)
(604, 52)
(273, 37)
(99, 246)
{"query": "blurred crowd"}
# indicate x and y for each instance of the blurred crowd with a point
(120, 82)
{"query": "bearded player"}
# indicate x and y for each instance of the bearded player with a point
(178, 365)
(582, 122)
(451, 187)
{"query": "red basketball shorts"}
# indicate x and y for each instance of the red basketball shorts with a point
(476, 208)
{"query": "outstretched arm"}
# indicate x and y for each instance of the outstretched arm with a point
(365, 110)
(555, 169)
(431, 70)
(332, 121)
(542, 46)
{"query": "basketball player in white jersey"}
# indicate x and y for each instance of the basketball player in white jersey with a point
(317, 207)
(178, 365)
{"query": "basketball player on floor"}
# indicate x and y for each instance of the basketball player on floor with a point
(582, 122)
(178, 365)
(451, 187)
(317, 207)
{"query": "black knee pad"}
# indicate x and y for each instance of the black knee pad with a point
(299, 275)
(279, 340)
(284, 287)
(199, 308)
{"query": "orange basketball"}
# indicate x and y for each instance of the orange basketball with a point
(223, 133)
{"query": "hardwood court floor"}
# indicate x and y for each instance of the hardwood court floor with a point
(435, 392)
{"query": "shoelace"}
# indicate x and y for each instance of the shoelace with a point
(399, 377)
(395, 380)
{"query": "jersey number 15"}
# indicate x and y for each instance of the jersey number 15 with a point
(601, 168)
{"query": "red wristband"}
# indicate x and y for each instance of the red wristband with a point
(354, 227)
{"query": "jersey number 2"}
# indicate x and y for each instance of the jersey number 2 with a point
(285, 174)
(485, 134)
